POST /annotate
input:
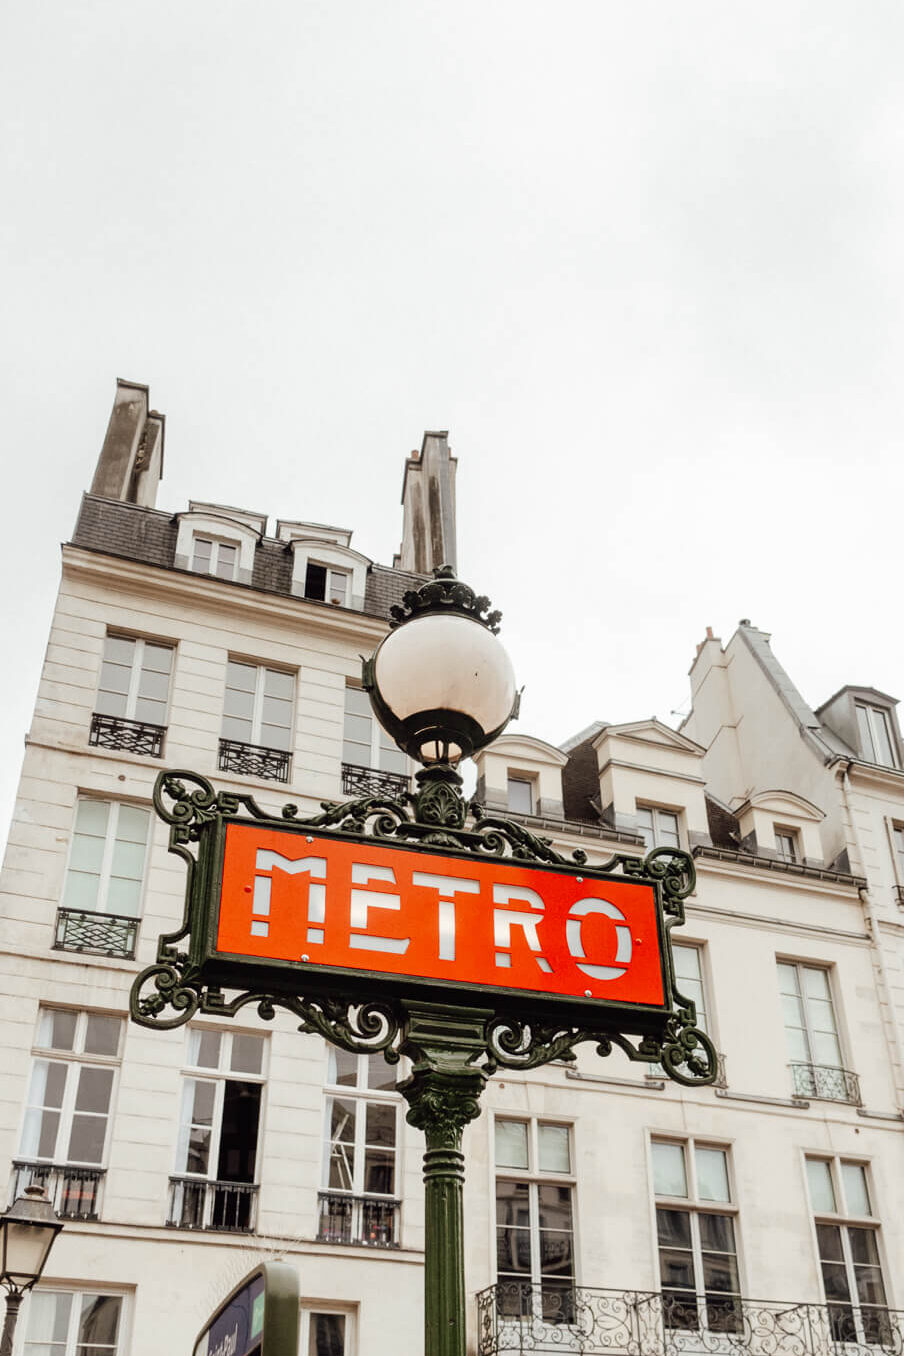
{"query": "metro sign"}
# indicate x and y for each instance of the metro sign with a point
(323, 910)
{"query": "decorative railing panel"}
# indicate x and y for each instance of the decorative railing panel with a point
(126, 736)
(253, 760)
(370, 781)
(73, 1192)
(228, 1206)
(101, 934)
(516, 1316)
(825, 1083)
(370, 1221)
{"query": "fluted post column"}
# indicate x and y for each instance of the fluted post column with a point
(443, 1094)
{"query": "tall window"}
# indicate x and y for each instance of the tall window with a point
(326, 584)
(326, 1332)
(259, 705)
(812, 1033)
(874, 728)
(211, 556)
(695, 1222)
(361, 1150)
(786, 844)
(897, 837)
(73, 1323)
(71, 1087)
(135, 679)
(366, 744)
(534, 1220)
(689, 982)
(106, 860)
(520, 794)
(847, 1236)
(657, 827)
(218, 1131)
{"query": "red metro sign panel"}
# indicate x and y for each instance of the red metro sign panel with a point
(338, 907)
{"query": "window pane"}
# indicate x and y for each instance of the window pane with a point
(342, 1143)
(669, 1175)
(358, 730)
(238, 703)
(338, 587)
(554, 1148)
(204, 1049)
(556, 1253)
(379, 1073)
(645, 825)
(554, 1207)
(343, 1067)
(275, 737)
(226, 561)
(712, 1175)
(99, 1322)
(520, 796)
(716, 1233)
(511, 1144)
(720, 1273)
(152, 712)
(863, 1246)
(357, 702)
(379, 1171)
(512, 1203)
(157, 658)
(241, 676)
(866, 738)
(94, 1086)
(48, 1316)
(279, 684)
(666, 829)
(201, 557)
(822, 1191)
(315, 581)
(380, 1124)
(154, 686)
(102, 1034)
(673, 1228)
(881, 737)
(327, 1335)
(86, 1140)
(87, 853)
(828, 1238)
(56, 1029)
(856, 1196)
(241, 730)
(247, 1054)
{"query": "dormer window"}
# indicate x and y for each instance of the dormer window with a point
(786, 844)
(520, 795)
(657, 827)
(326, 584)
(875, 735)
(219, 558)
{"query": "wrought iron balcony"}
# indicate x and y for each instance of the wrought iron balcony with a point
(370, 781)
(100, 934)
(253, 760)
(554, 1316)
(73, 1192)
(825, 1083)
(370, 1221)
(195, 1203)
(127, 736)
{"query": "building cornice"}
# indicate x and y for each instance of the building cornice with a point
(796, 873)
(652, 771)
(218, 595)
(874, 773)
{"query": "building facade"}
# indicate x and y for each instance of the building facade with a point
(607, 1209)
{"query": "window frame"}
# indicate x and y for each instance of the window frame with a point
(873, 715)
(829, 971)
(261, 670)
(655, 811)
(76, 1058)
(107, 859)
(215, 543)
(71, 1347)
(522, 779)
(843, 1220)
(792, 836)
(380, 740)
(694, 1205)
(363, 1096)
(311, 1309)
(221, 1075)
(330, 571)
(137, 667)
(533, 1176)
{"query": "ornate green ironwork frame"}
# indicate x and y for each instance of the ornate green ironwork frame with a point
(367, 1018)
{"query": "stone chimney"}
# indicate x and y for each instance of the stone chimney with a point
(131, 460)
(428, 507)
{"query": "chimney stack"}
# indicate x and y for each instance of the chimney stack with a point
(131, 460)
(428, 507)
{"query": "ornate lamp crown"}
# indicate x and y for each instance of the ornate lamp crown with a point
(445, 594)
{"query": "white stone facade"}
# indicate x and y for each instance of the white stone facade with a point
(835, 911)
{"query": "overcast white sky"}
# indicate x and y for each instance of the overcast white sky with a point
(643, 260)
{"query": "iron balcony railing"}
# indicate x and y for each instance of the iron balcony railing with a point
(127, 736)
(825, 1083)
(371, 1221)
(253, 760)
(101, 934)
(555, 1316)
(74, 1192)
(198, 1204)
(370, 781)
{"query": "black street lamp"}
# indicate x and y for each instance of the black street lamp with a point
(27, 1232)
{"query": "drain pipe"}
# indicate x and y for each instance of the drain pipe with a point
(872, 927)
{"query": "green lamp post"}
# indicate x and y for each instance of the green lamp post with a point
(28, 1230)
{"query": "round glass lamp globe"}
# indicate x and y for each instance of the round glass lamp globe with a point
(437, 664)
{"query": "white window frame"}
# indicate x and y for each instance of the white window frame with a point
(655, 811)
(828, 971)
(524, 779)
(792, 837)
(135, 676)
(309, 1308)
(842, 1219)
(380, 740)
(362, 1095)
(258, 705)
(705, 1019)
(76, 1058)
(223, 1074)
(331, 572)
(215, 544)
(23, 1344)
(107, 859)
(693, 1205)
(534, 1176)
(872, 716)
